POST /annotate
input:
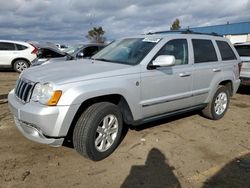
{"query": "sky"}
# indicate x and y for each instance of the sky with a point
(68, 21)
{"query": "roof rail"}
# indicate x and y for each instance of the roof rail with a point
(183, 31)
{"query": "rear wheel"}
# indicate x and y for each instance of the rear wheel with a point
(217, 108)
(20, 65)
(98, 131)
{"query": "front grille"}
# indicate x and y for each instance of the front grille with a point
(23, 90)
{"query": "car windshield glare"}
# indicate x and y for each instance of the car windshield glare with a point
(128, 51)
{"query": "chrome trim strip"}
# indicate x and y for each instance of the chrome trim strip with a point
(178, 98)
(166, 100)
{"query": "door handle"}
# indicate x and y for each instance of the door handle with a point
(185, 74)
(217, 70)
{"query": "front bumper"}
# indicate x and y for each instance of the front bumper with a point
(35, 134)
(39, 123)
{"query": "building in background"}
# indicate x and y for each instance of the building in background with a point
(236, 32)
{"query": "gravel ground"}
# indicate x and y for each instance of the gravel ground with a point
(183, 151)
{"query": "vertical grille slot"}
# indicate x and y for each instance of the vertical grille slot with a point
(23, 90)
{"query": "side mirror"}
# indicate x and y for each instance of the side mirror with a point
(80, 55)
(164, 61)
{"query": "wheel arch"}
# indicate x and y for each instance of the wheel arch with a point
(116, 99)
(229, 85)
(19, 58)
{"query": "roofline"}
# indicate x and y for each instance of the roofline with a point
(185, 31)
(13, 41)
(219, 25)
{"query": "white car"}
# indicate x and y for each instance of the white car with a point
(16, 55)
(244, 51)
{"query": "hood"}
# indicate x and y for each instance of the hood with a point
(73, 71)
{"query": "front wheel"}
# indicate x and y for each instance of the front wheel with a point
(217, 108)
(98, 131)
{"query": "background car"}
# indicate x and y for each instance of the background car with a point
(244, 51)
(74, 52)
(84, 50)
(16, 55)
(62, 47)
(46, 52)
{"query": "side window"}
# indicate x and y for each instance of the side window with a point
(90, 51)
(178, 48)
(47, 53)
(243, 50)
(225, 51)
(7, 46)
(21, 47)
(204, 51)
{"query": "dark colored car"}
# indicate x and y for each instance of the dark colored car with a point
(79, 51)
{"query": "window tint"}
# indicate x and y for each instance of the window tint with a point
(7, 46)
(225, 50)
(243, 50)
(47, 53)
(90, 51)
(178, 48)
(204, 51)
(21, 47)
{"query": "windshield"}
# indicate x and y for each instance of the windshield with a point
(73, 49)
(127, 51)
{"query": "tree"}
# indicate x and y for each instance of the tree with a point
(175, 25)
(96, 34)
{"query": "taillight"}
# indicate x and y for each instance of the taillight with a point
(35, 51)
(239, 66)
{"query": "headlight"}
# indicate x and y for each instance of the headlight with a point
(44, 94)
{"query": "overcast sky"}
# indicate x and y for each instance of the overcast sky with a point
(68, 21)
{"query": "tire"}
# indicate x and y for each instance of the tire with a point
(20, 65)
(92, 137)
(217, 108)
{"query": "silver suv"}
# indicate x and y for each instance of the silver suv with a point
(132, 81)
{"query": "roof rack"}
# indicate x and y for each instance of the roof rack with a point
(182, 31)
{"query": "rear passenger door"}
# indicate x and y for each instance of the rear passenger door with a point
(206, 68)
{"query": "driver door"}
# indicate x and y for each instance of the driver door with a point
(166, 89)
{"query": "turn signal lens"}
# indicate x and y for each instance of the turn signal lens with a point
(55, 98)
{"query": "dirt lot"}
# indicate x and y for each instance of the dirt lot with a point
(184, 151)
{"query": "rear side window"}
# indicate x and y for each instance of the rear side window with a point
(225, 51)
(21, 47)
(243, 50)
(204, 51)
(7, 46)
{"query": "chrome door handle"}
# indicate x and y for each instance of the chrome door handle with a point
(217, 70)
(185, 74)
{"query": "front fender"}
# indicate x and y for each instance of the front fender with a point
(82, 91)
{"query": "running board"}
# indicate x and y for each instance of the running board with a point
(169, 114)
